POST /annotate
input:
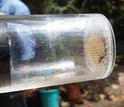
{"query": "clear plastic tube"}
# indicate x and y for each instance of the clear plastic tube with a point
(50, 50)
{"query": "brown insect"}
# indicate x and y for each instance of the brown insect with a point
(101, 59)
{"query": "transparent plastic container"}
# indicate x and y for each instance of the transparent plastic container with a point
(47, 50)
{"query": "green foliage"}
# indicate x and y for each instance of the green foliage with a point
(112, 9)
(60, 6)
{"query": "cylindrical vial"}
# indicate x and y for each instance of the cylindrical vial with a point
(48, 50)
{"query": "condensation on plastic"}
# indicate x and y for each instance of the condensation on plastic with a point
(49, 50)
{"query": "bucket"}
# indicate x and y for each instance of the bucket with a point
(49, 98)
(73, 92)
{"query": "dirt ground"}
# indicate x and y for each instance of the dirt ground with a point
(108, 92)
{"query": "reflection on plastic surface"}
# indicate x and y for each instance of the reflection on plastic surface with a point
(57, 49)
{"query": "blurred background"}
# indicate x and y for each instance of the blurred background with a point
(112, 9)
(101, 93)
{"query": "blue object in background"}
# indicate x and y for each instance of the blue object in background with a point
(25, 39)
(14, 7)
(46, 72)
(49, 98)
(26, 48)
